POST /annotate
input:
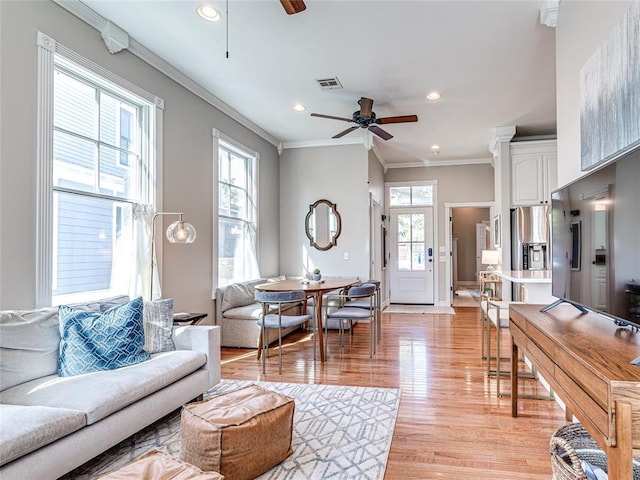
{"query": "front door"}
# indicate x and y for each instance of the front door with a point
(411, 256)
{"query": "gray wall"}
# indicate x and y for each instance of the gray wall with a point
(188, 170)
(335, 173)
(456, 184)
(582, 27)
(463, 228)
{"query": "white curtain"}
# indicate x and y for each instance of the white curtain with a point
(131, 267)
(250, 254)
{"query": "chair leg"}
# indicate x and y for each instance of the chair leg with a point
(265, 342)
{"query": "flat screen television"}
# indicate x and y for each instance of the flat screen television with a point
(595, 241)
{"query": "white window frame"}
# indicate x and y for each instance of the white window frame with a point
(48, 49)
(243, 151)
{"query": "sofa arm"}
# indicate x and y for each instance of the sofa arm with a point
(205, 339)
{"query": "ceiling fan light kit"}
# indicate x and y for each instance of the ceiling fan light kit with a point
(366, 118)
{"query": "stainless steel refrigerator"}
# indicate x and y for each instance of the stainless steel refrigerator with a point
(530, 236)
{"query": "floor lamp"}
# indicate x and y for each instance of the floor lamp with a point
(178, 232)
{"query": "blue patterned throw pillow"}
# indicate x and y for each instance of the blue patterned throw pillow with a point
(95, 341)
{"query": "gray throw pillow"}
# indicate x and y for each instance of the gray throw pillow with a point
(158, 326)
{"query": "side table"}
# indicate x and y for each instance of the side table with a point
(188, 318)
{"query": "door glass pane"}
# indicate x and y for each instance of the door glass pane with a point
(404, 227)
(404, 256)
(417, 256)
(417, 227)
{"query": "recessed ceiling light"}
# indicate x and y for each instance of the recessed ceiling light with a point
(435, 147)
(208, 12)
(433, 96)
(298, 107)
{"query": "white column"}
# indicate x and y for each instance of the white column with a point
(499, 147)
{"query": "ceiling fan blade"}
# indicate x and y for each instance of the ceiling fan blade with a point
(398, 119)
(293, 6)
(366, 105)
(331, 117)
(380, 132)
(343, 133)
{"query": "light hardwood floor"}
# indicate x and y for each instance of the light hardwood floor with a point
(450, 425)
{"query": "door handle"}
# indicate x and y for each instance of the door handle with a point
(430, 250)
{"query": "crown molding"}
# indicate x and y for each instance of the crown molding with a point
(325, 142)
(443, 163)
(90, 17)
(501, 135)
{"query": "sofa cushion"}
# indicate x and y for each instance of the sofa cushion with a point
(29, 342)
(25, 429)
(94, 341)
(237, 295)
(100, 394)
(158, 326)
(245, 312)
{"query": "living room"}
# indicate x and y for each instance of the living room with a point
(289, 181)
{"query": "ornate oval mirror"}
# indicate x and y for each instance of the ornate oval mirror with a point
(323, 225)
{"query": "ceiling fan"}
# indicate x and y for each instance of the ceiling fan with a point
(366, 118)
(293, 6)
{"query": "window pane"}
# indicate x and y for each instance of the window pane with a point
(231, 244)
(223, 161)
(422, 195)
(118, 123)
(224, 200)
(73, 162)
(85, 230)
(75, 107)
(400, 196)
(238, 203)
(115, 179)
(238, 171)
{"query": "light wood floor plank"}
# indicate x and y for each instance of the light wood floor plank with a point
(450, 424)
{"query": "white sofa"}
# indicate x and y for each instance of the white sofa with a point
(51, 425)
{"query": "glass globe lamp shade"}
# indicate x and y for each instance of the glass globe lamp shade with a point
(181, 232)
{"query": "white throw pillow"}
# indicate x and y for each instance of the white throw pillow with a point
(158, 326)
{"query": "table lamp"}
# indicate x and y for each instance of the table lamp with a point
(178, 232)
(490, 258)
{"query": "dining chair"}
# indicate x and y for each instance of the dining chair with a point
(272, 318)
(363, 293)
(364, 304)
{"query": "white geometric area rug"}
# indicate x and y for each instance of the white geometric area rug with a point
(338, 433)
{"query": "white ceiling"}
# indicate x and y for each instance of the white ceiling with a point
(492, 61)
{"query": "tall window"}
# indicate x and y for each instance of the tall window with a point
(101, 178)
(237, 214)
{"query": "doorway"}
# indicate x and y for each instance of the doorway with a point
(411, 259)
(468, 234)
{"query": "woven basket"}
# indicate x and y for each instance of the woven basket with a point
(572, 443)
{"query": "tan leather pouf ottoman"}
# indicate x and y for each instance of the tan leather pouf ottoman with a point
(240, 434)
(157, 465)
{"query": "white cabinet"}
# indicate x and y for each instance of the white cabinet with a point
(534, 172)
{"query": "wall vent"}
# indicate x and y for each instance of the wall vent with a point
(329, 83)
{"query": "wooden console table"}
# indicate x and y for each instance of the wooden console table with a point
(586, 360)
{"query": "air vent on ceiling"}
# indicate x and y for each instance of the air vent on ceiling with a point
(329, 83)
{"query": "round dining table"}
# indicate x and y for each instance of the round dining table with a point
(313, 288)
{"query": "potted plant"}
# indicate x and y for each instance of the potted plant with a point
(316, 275)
